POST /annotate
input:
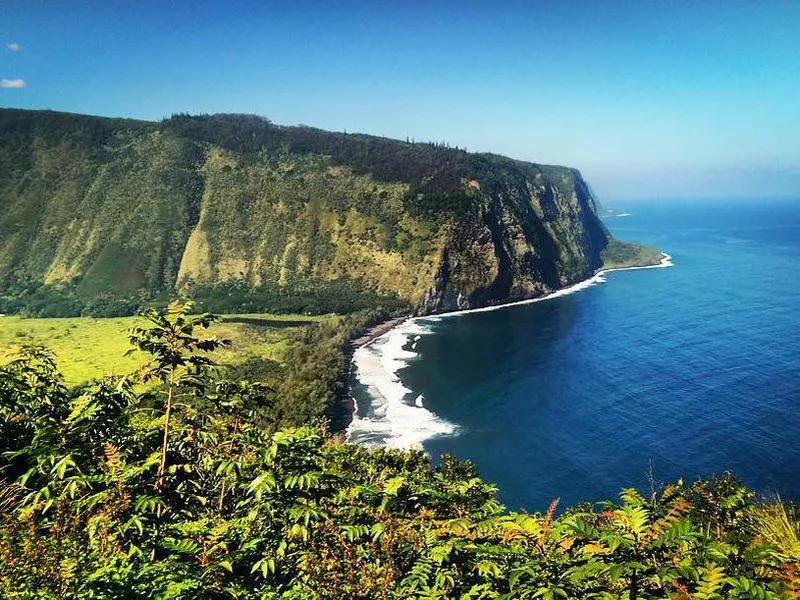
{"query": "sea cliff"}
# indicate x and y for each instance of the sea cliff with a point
(97, 210)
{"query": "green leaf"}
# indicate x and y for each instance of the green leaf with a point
(393, 485)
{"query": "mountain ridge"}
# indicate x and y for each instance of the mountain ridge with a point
(93, 207)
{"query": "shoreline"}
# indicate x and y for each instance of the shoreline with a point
(341, 415)
(374, 332)
(597, 277)
(666, 261)
(348, 408)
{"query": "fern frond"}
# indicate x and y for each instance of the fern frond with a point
(113, 460)
(631, 497)
(10, 496)
(678, 510)
(790, 574)
(712, 578)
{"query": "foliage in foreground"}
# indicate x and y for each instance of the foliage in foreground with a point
(104, 496)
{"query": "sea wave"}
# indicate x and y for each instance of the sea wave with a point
(599, 277)
(393, 417)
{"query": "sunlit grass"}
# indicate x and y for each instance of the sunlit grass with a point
(779, 526)
(86, 347)
(620, 255)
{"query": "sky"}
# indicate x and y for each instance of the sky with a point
(648, 99)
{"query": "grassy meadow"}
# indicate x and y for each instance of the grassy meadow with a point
(87, 347)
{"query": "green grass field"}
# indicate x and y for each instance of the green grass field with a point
(86, 347)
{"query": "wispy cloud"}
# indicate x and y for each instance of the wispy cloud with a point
(12, 83)
(13, 47)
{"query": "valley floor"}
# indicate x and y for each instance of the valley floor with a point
(87, 347)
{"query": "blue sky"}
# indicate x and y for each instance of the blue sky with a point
(648, 99)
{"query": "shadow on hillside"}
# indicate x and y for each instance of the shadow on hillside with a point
(260, 322)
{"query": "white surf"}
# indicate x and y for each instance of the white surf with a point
(391, 418)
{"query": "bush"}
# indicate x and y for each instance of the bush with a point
(181, 491)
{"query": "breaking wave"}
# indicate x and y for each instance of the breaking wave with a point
(391, 415)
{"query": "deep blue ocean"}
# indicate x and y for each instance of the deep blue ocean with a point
(683, 371)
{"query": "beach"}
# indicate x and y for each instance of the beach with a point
(383, 414)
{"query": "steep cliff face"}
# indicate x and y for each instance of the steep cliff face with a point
(115, 206)
(527, 236)
(299, 219)
(98, 204)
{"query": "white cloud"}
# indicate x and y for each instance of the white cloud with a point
(13, 46)
(12, 83)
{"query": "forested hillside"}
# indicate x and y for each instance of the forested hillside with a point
(99, 216)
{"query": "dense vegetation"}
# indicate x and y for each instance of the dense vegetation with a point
(190, 487)
(618, 255)
(342, 295)
(103, 217)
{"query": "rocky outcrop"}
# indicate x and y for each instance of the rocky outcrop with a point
(529, 239)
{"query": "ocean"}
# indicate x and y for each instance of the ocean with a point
(636, 378)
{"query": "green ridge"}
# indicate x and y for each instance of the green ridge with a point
(98, 216)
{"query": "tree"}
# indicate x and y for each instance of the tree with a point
(177, 362)
(243, 512)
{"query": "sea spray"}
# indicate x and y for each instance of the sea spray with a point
(392, 417)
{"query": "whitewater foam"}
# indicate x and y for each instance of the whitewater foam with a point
(392, 418)
(597, 278)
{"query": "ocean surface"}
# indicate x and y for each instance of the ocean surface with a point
(669, 372)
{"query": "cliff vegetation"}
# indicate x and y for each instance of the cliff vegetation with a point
(623, 255)
(105, 216)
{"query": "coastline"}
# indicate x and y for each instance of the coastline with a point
(598, 277)
(394, 358)
(341, 414)
(374, 332)
(666, 261)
